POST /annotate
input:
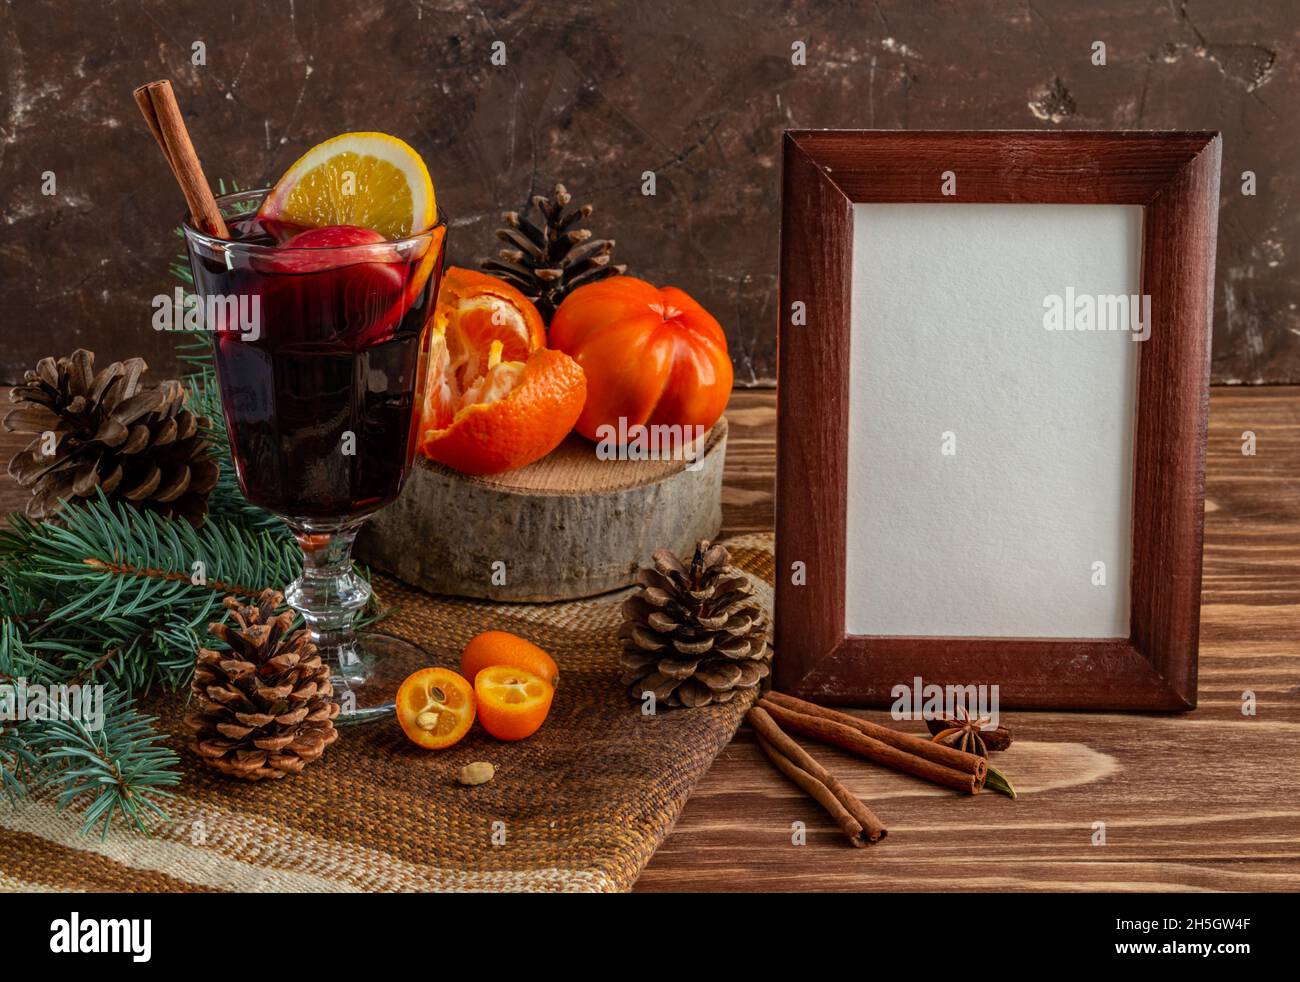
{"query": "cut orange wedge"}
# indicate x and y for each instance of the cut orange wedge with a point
(435, 707)
(512, 703)
(371, 180)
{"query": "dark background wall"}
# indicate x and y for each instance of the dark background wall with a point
(594, 95)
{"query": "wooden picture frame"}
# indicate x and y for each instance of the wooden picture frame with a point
(1174, 176)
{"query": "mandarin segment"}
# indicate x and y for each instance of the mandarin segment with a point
(480, 308)
(517, 428)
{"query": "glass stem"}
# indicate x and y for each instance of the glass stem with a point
(328, 595)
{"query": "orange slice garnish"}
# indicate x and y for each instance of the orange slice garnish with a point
(371, 180)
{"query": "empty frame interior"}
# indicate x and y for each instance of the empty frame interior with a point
(990, 458)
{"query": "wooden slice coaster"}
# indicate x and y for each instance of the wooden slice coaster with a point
(569, 525)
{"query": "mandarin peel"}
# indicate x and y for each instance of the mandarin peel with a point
(497, 399)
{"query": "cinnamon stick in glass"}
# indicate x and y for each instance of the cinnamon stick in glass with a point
(855, 741)
(158, 105)
(858, 821)
(912, 744)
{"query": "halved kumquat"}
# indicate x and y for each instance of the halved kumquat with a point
(435, 707)
(512, 703)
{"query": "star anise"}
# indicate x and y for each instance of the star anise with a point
(966, 732)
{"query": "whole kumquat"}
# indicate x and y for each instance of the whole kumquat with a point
(504, 648)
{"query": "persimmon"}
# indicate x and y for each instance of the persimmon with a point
(503, 648)
(512, 703)
(651, 356)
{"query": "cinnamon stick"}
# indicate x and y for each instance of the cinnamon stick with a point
(158, 105)
(855, 741)
(817, 791)
(912, 744)
(776, 742)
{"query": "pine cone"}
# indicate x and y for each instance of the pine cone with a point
(264, 708)
(549, 262)
(694, 635)
(107, 432)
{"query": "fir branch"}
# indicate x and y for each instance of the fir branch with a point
(117, 761)
(17, 760)
(108, 560)
(150, 572)
(16, 763)
(125, 594)
(17, 661)
(118, 769)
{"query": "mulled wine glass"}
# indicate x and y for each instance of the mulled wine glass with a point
(320, 355)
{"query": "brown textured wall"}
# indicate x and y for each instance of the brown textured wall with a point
(594, 95)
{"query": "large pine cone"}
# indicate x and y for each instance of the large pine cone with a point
(264, 708)
(694, 635)
(107, 432)
(549, 261)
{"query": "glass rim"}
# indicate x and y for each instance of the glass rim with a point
(213, 242)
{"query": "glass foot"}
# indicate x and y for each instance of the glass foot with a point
(366, 686)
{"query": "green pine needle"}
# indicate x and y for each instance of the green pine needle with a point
(17, 761)
(125, 593)
(120, 765)
(120, 769)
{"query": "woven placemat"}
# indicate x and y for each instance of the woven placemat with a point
(580, 806)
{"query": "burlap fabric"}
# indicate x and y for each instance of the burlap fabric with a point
(581, 806)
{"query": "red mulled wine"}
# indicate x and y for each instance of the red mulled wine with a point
(320, 358)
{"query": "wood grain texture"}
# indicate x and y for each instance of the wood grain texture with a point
(1007, 167)
(1175, 176)
(1172, 416)
(1198, 801)
(812, 415)
(570, 525)
(573, 468)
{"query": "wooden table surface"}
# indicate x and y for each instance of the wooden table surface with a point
(1206, 800)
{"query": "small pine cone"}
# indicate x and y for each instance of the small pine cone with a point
(694, 635)
(264, 708)
(550, 260)
(104, 431)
